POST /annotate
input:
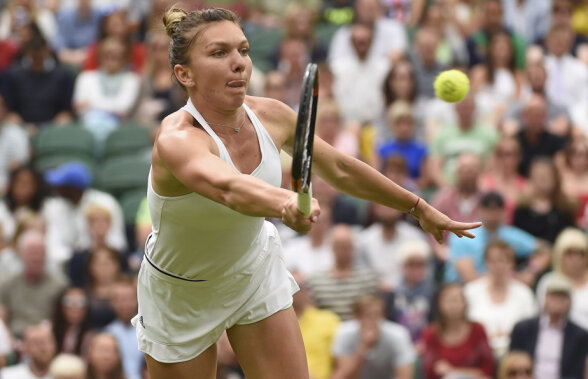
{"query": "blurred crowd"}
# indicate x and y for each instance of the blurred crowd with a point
(378, 298)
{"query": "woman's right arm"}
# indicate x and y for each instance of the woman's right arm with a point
(187, 155)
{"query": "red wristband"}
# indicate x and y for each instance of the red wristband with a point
(413, 209)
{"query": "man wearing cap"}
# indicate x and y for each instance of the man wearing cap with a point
(67, 229)
(466, 258)
(558, 346)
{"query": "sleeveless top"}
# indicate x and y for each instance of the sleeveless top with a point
(196, 238)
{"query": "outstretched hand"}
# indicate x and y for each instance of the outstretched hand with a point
(434, 222)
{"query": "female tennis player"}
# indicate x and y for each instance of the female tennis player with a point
(212, 263)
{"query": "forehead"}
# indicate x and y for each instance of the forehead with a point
(222, 32)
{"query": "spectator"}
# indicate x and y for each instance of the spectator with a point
(502, 175)
(452, 345)
(370, 347)
(71, 322)
(35, 283)
(330, 127)
(14, 147)
(159, 93)
(389, 37)
(103, 270)
(516, 364)
(478, 42)
(570, 259)
(338, 288)
(378, 245)
(26, 193)
(562, 14)
(498, 81)
(66, 222)
(545, 211)
(401, 122)
(292, 59)
(559, 346)
(123, 301)
(99, 221)
(424, 60)
(39, 349)
(461, 200)
(414, 295)
(558, 119)
(534, 138)
(275, 86)
(318, 328)
(104, 96)
(67, 366)
(76, 30)
(468, 136)
(567, 77)
(359, 76)
(311, 253)
(104, 360)
(18, 13)
(114, 24)
(497, 300)
(527, 18)
(574, 176)
(466, 259)
(37, 89)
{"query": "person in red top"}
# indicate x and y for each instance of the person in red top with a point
(452, 345)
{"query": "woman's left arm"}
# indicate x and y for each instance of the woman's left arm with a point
(358, 179)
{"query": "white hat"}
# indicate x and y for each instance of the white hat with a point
(414, 249)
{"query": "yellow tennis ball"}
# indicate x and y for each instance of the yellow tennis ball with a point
(451, 86)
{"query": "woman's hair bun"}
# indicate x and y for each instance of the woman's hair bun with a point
(172, 18)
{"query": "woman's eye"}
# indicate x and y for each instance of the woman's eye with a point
(219, 53)
(245, 51)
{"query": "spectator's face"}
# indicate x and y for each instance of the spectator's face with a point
(414, 270)
(328, 124)
(499, 264)
(368, 11)
(501, 50)
(557, 304)
(520, 368)
(386, 215)
(559, 42)
(536, 76)
(33, 256)
(371, 313)
(508, 155)
(159, 50)
(116, 25)
(24, 187)
(468, 170)
(542, 179)
(562, 12)
(465, 111)
(124, 301)
(578, 157)
(402, 82)
(574, 262)
(113, 58)
(98, 226)
(75, 306)
(361, 39)
(342, 244)
(40, 344)
(426, 44)
(295, 53)
(103, 267)
(275, 86)
(452, 303)
(103, 354)
(492, 217)
(300, 24)
(403, 128)
(534, 115)
(493, 15)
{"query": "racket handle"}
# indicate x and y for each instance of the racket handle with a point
(304, 202)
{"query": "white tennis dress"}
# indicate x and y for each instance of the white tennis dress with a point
(208, 267)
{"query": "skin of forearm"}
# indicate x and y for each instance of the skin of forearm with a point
(253, 197)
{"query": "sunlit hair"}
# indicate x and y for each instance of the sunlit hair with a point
(185, 27)
(569, 238)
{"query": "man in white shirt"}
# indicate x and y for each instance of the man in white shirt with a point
(359, 77)
(67, 229)
(40, 348)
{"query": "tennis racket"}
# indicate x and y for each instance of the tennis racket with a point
(304, 138)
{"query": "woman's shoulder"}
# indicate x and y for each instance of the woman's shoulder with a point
(268, 108)
(177, 129)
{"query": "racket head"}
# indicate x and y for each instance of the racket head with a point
(304, 137)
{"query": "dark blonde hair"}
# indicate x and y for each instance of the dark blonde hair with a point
(185, 27)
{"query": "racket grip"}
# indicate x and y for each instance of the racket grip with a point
(304, 202)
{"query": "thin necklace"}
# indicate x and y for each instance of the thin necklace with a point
(236, 129)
